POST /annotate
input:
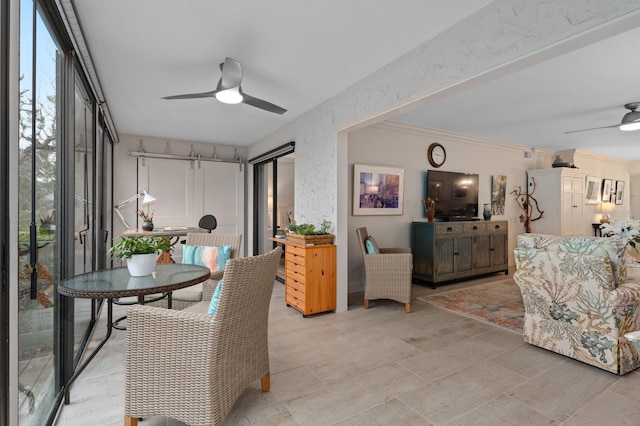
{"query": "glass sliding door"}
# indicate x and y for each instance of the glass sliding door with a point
(38, 237)
(273, 186)
(82, 176)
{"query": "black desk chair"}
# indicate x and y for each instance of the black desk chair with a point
(208, 222)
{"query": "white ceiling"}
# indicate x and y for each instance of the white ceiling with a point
(297, 54)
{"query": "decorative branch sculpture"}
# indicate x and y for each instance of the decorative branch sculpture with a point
(528, 203)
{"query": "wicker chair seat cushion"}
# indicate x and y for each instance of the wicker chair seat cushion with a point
(189, 294)
(214, 300)
(200, 307)
(213, 257)
(371, 246)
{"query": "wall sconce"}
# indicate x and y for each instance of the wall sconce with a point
(146, 199)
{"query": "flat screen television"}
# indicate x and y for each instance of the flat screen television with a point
(456, 194)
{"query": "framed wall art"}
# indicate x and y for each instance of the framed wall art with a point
(377, 190)
(606, 190)
(619, 191)
(593, 190)
(498, 194)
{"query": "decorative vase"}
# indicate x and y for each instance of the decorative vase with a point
(486, 213)
(140, 265)
(147, 225)
(430, 215)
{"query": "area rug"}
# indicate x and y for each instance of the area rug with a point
(498, 302)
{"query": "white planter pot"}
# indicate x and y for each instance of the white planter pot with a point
(140, 265)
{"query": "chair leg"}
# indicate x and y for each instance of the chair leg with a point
(366, 303)
(407, 307)
(266, 383)
(130, 421)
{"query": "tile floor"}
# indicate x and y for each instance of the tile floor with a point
(382, 366)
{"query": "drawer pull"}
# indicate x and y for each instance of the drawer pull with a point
(475, 228)
(497, 226)
(449, 229)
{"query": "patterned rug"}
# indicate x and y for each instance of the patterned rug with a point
(499, 303)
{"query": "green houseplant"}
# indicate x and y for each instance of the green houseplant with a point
(306, 233)
(140, 253)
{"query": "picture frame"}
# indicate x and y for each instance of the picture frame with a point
(377, 190)
(607, 185)
(592, 190)
(619, 192)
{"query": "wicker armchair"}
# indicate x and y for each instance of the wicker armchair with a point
(192, 366)
(188, 296)
(388, 274)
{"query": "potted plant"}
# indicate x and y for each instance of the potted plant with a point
(141, 253)
(147, 220)
(306, 233)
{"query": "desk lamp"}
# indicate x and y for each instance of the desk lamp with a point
(146, 199)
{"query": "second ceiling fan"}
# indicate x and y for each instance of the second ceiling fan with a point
(229, 90)
(630, 121)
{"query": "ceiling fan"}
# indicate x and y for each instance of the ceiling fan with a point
(630, 121)
(229, 90)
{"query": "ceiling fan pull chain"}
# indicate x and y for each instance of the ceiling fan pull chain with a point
(167, 149)
(215, 154)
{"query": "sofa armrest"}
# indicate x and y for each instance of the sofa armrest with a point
(625, 294)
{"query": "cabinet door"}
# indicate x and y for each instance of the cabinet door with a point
(572, 206)
(463, 254)
(481, 251)
(498, 250)
(444, 258)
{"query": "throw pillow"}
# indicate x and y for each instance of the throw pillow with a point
(371, 245)
(214, 300)
(213, 257)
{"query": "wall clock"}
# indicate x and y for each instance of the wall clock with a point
(436, 155)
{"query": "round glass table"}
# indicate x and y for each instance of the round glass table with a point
(117, 283)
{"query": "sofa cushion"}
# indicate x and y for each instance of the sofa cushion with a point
(612, 247)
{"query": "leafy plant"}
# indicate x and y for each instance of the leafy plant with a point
(127, 247)
(309, 229)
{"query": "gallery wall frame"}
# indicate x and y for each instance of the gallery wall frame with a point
(592, 194)
(607, 186)
(377, 190)
(619, 192)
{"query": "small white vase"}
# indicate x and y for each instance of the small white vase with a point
(140, 265)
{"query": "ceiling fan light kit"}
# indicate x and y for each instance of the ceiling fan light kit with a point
(229, 96)
(229, 90)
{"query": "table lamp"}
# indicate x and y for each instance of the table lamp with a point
(146, 199)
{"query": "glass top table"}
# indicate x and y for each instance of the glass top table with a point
(115, 283)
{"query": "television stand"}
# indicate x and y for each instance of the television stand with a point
(446, 251)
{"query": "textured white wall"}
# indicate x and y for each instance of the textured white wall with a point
(496, 40)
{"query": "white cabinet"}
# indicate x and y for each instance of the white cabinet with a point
(560, 193)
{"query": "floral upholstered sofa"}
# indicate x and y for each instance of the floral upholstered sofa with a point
(578, 299)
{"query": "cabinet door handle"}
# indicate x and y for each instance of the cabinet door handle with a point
(456, 254)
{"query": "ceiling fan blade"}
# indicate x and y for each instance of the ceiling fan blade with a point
(259, 103)
(593, 128)
(193, 95)
(231, 74)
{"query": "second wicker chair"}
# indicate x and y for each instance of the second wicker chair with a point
(387, 274)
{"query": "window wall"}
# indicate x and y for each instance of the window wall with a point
(63, 206)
